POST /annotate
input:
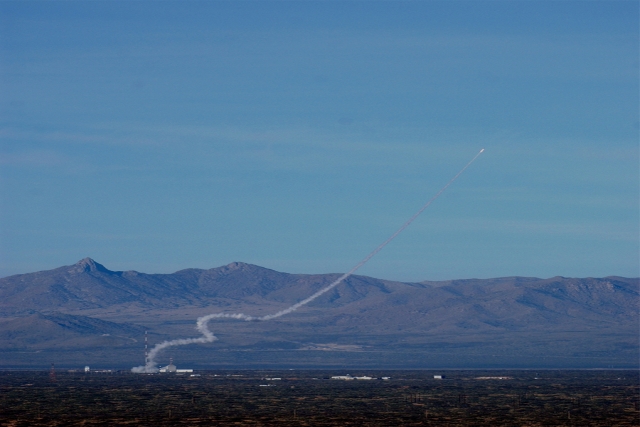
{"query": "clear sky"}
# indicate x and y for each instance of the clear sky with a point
(157, 136)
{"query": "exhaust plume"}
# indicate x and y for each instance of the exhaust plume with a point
(202, 322)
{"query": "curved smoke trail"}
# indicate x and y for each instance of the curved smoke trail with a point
(202, 322)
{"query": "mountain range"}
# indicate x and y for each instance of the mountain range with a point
(86, 314)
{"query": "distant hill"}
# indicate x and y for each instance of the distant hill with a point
(86, 311)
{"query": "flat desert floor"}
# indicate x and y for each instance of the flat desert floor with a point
(312, 398)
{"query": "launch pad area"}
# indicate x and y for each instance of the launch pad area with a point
(310, 397)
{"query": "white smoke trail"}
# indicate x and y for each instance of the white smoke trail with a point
(202, 322)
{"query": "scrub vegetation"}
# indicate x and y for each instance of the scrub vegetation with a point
(311, 398)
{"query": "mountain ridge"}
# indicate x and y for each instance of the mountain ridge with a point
(589, 318)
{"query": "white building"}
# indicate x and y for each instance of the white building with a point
(343, 377)
(169, 368)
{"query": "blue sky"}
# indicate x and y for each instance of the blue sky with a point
(156, 136)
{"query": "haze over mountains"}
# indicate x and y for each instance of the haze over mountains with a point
(86, 314)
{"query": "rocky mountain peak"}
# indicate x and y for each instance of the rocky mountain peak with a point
(87, 265)
(236, 266)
